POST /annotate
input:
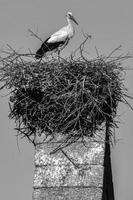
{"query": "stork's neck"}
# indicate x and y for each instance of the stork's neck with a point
(70, 24)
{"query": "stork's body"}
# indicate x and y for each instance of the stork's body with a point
(59, 39)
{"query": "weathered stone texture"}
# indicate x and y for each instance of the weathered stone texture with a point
(57, 178)
(68, 193)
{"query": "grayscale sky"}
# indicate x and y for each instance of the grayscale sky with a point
(110, 24)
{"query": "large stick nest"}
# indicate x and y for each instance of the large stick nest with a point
(72, 96)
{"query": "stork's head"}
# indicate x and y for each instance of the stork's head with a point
(70, 16)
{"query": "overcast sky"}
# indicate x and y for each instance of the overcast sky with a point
(110, 24)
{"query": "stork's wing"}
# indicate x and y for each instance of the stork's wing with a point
(59, 36)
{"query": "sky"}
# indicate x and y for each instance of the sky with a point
(110, 24)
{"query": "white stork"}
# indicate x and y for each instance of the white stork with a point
(59, 39)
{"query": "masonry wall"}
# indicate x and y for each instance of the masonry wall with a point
(57, 178)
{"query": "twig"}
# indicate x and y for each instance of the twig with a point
(35, 35)
(70, 159)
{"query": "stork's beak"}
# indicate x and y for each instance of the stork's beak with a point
(74, 20)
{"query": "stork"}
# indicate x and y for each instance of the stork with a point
(59, 39)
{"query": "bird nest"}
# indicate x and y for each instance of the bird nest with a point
(72, 96)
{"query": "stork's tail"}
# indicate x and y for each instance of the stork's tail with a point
(40, 52)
